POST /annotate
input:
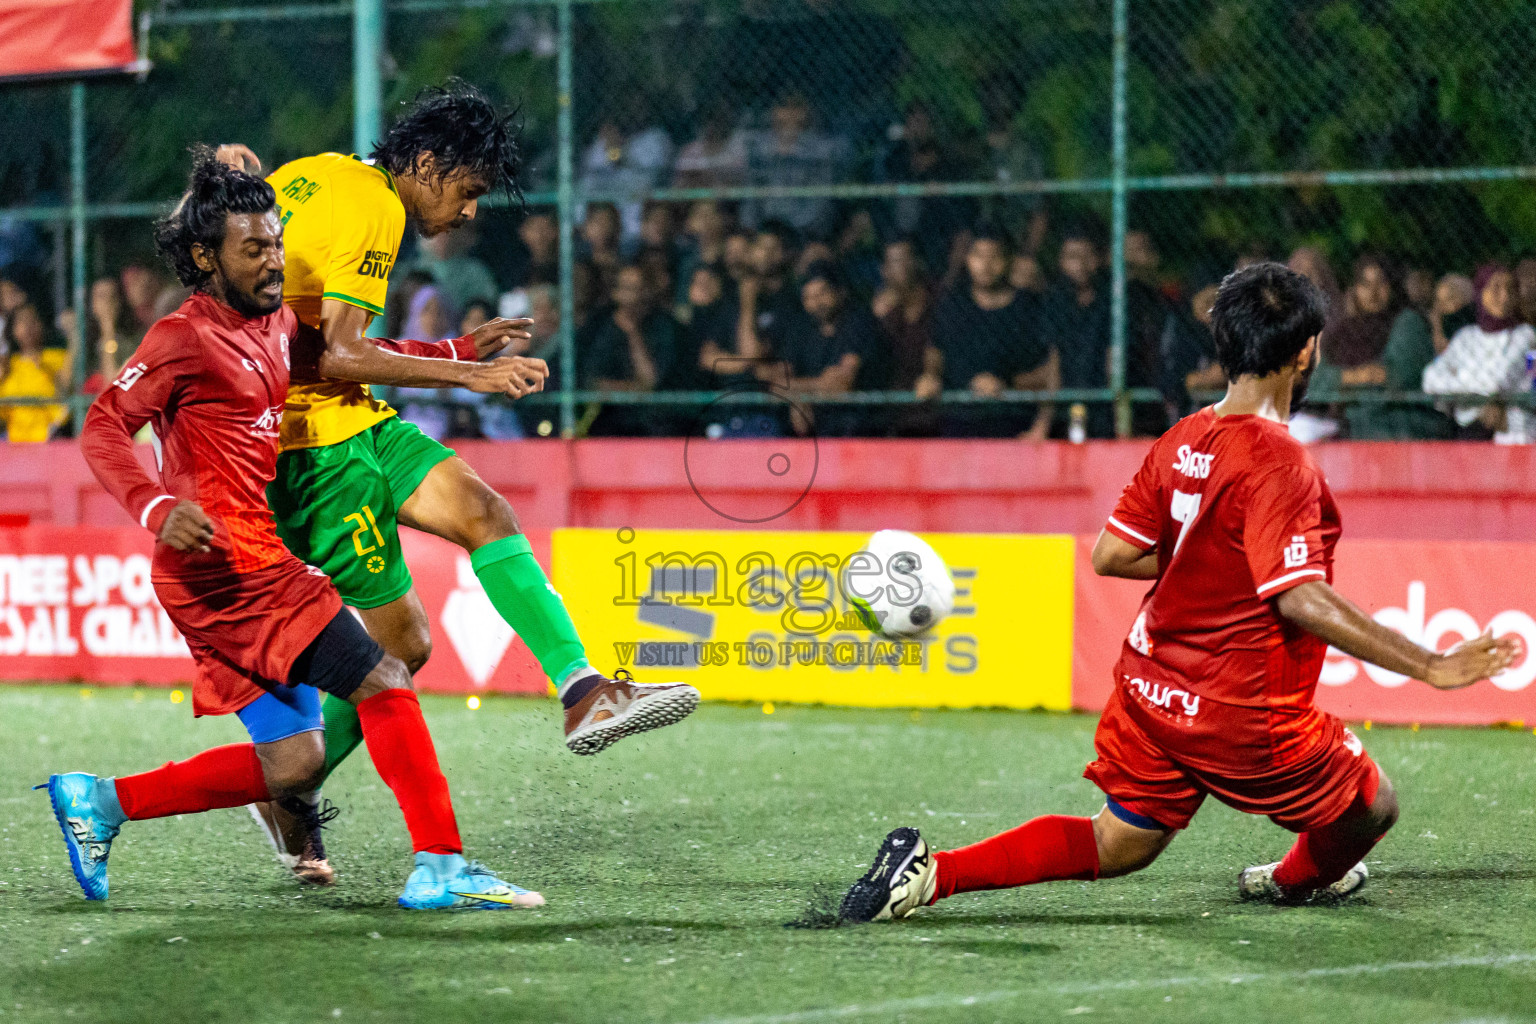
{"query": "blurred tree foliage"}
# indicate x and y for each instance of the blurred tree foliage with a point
(1214, 86)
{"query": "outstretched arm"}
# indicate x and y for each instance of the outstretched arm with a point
(484, 341)
(345, 353)
(1325, 613)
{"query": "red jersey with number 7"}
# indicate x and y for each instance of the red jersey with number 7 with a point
(1239, 514)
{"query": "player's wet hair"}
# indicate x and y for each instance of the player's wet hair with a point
(463, 131)
(214, 191)
(1263, 317)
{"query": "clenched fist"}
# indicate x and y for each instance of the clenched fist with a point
(187, 528)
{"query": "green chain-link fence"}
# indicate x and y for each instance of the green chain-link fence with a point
(1213, 129)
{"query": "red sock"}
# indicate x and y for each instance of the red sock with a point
(221, 777)
(1324, 855)
(403, 753)
(1040, 850)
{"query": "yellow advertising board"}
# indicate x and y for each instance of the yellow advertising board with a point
(763, 616)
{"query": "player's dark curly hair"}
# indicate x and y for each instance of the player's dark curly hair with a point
(463, 131)
(1263, 317)
(214, 191)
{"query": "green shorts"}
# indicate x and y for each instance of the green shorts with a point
(335, 506)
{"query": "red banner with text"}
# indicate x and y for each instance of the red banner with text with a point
(65, 38)
(1437, 593)
(77, 603)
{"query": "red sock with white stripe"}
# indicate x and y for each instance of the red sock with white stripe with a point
(222, 777)
(1040, 850)
(403, 753)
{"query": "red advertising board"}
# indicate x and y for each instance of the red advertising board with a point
(77, 603)
(1435, 592)
(65, 38)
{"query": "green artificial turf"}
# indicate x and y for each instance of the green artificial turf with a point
(672, 862)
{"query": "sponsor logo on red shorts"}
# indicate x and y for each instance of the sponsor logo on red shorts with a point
(1161, 695)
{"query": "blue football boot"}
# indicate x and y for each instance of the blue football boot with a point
(449, 882)
(88, 830)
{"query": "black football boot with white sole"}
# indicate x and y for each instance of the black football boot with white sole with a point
(902, 878)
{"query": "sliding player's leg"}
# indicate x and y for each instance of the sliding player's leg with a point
(906, 875)
(91, 810)
(1341, 810)
(1150, 799)
(452, 502)
(347, 663)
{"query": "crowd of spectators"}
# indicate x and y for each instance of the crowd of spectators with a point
(925, 296)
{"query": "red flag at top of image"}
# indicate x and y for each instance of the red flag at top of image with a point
(65, 38)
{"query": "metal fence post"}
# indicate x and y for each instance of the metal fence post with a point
(367, 61)
(1117, 324)
(77, 257)
(567, 207)
(368, 92)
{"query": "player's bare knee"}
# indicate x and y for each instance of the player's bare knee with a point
(1124, 848)
(414, 648)
(1383, 811)
(389, 674)
(492, 519)
(293, 765)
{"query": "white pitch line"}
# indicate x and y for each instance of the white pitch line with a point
(1004, 995)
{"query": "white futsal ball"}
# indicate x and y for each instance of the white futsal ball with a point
(899, 583)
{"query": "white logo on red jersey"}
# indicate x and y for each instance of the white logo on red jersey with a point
(1139, 641)
(1192, 463)
(130, 375)
(1161, 696)
(254, 365)
(1352, 743)
(1296, 553)
(267, 423)
(282, 341)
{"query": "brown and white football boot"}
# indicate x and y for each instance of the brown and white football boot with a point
(293, 827)
(620, 707)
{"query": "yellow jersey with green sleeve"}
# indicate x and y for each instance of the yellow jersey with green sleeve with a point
(342, 226)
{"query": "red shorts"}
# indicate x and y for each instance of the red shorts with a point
(1156, 766)
(246, 631)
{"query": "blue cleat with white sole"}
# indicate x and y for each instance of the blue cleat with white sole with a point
(449, 882)
(88, 829)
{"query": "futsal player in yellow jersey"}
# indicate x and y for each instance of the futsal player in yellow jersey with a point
(350, 470)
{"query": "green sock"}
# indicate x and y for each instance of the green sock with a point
(520, 591)
(343, 731)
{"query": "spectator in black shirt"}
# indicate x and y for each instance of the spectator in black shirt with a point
(633, 348)
(706, 230)
(921, 155)
(831, 347)
(598, 246)
(1074, 321)
(984, 342)
(767, 296)
(536, 259)
(1189, 354)
(711, 325)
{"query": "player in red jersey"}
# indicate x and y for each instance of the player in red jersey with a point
(1213, 693)
(211, 379)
